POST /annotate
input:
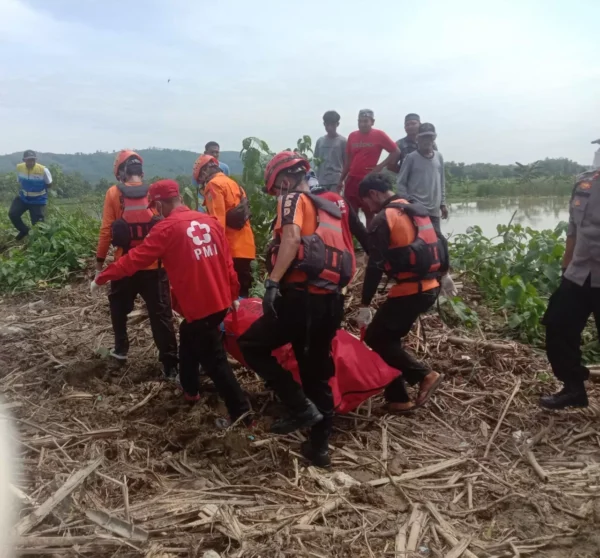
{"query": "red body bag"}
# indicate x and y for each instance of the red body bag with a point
(359, 372)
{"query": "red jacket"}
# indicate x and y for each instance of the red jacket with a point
(195, 254)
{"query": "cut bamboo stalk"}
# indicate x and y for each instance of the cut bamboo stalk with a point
(37, 516)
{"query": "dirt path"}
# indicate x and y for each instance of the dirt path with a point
(449, 477)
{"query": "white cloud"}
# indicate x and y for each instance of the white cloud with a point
(501, 82)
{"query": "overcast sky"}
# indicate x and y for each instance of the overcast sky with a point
(501, 80)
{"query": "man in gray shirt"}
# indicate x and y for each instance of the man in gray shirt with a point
(331, 151)
(422, 176)
(577, 297)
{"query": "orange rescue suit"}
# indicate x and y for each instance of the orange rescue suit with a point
(222, 194)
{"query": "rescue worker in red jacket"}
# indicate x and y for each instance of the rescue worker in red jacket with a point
(226, 200)
(309, 263)
(196, 256)
(126, 220)
(403, 244)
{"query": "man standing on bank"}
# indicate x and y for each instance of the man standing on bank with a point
(422, 180)
(408, 144)
(331, 152)
(34, 180)
(577, 297)
(422, 176)
(363, 150)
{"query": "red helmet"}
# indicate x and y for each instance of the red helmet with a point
(123, 156)
(282, 161)
(201, 162)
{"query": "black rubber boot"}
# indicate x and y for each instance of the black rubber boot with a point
(569, 396)
(305, 419)
(317, 456)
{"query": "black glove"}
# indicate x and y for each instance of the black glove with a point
(271, 293)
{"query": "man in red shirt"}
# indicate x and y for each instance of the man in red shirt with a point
(195, 254)
(363, 150)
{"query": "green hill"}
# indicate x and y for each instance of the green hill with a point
(94, 166)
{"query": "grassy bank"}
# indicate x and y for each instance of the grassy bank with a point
(508, 188)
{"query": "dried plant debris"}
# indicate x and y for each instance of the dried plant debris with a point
(113, 463)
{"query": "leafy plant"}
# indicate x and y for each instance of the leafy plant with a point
(52, 252)
(516, 272)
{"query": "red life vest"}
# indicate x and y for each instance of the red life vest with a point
(324, 255)
(136, 220)
(341, 203)
(426, 257)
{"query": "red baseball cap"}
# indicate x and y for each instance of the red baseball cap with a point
(162, 190)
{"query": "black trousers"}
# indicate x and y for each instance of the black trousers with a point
(309, 322)
(392, 322)
(568, 311)
(201, 343)
(243, 269)
(18, 207)
(153, 286)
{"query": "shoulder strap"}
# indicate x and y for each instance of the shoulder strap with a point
(325, 205)
(412, 209)
(133, 192)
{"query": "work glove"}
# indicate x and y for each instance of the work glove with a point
(94, 288)
(235, 306)
(364, 317)
(271, 294)
(447, 286)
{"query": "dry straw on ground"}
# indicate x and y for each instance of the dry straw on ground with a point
(115, 464)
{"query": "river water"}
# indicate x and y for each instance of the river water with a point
(537, 213)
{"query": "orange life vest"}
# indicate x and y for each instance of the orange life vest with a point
(426, 257)
(323, 255)
(136, 220)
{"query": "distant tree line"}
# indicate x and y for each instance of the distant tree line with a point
(460, 176)
(483, 171)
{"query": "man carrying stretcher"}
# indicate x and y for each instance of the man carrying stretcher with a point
(404, 244)
(309, 263)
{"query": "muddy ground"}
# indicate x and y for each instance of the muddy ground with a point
(114, 463)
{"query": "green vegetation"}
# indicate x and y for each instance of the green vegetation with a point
(80, 174)
(53, 251)
(515, 272)
(551, 177)
(95, 166)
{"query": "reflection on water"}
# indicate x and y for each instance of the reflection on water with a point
(538, 213)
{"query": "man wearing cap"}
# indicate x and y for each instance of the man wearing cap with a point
(195, 254)
(34, 179)
(422, 176)
(422, 180)
(408, 144)
(363, 150)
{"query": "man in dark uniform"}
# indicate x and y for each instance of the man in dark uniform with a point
(577, 297)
